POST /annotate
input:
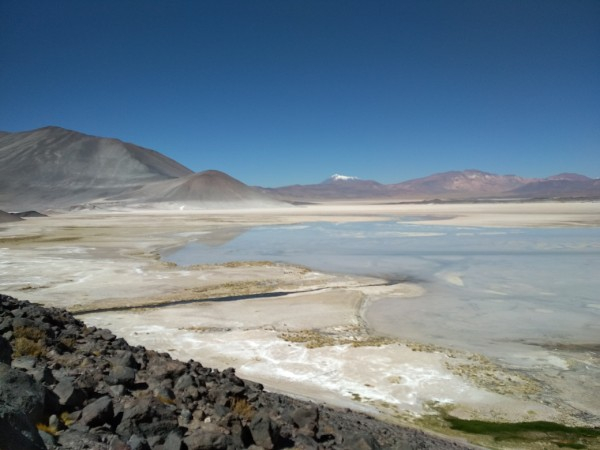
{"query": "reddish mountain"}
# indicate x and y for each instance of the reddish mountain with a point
(468, 183)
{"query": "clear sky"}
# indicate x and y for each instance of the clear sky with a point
(291, 91)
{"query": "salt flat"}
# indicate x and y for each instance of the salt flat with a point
(299, 330)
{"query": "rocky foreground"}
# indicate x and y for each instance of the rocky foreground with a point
(65, 385)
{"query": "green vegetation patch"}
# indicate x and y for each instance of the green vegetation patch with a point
(558, 434)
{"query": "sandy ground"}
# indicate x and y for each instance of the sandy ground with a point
(302, 332)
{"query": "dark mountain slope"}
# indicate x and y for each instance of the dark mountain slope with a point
(7, 217)
(52, 167)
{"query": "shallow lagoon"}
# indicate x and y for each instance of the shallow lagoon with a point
(495, 291)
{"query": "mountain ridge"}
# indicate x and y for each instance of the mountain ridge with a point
(469, 184)
(56, 168)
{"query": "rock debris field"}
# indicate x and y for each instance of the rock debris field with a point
(65, 385)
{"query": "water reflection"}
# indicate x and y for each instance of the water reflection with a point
(486, 288)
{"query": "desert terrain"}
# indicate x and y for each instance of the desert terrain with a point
(297, 330)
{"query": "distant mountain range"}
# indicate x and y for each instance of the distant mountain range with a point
(54, 168)
(454, 185)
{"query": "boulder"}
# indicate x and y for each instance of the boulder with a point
(80, 439)
(361, 441)
(17, 431)
(306, 418)
(124, 358)
(24, 363)
(20, 393)
(121, 375)
(68, 394)
(183, 382)
(98, 412)
(137, 443)
(264, 431)
(173, 441)
(207, 440)
(147, 417)
(5, 351)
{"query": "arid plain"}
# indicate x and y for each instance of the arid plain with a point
(295, 329)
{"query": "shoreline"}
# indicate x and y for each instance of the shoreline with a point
(83, 260)
(106, 393)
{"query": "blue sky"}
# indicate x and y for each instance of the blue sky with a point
(290, 91)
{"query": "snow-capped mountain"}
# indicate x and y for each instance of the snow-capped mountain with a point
(340, 187)
(338, 177)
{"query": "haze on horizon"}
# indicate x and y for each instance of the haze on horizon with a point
(278, 93)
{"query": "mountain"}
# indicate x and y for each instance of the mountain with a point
(564, 185)
(449, 185)
(337, 177)
(455, 184)
(7, 217)
(336, 187)
(208, 189)
(53, 167)
(568, 177)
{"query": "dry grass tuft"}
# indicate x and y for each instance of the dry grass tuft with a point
(242, 408)
(32, 333)
(165, 400)
(353, 336)
(66, 419)
(47, 428)
(29, 341)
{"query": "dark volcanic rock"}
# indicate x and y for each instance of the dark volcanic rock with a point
(207, 440)
(5, 351)
(173, 441)
(98, 412)
(87, 389)
(264, 432)
(68, 394)
(21, 393)
(121, 375)
(18, 432)
(306, 418)
(22, 402)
